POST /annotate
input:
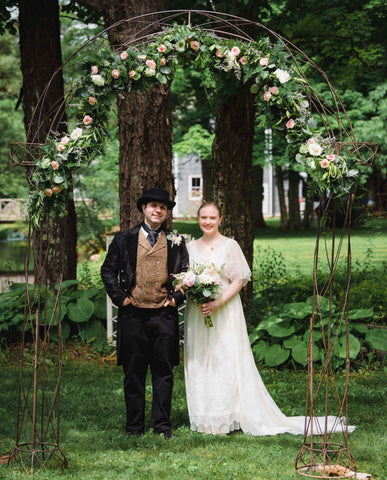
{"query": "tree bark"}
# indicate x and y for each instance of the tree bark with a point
(281, 197)
(257, 197)
(208, 181)
(232, 171)
(294, 203)
(41, 56)
(144, 119)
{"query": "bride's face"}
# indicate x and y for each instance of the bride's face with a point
(209, 220)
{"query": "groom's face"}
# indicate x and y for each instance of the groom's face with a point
(155, 213)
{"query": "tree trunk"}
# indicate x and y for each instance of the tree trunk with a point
(144, 119)
(145, 132)
(232, 171)
(41, 56)
(257, 197)
(208, 181)
(281, 197)
(307, 221)
(294, 203)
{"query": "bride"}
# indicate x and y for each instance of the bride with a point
(224, 389)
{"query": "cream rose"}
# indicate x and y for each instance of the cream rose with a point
(98, 80)
(94, 69)
(115, 73)
(315, 149)
(76, 133)
(264, 61)
(92, 100)
(55, 165)
(282, 75)
(124, 55)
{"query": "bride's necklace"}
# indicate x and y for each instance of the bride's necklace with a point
(210, 245)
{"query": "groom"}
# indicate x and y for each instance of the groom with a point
(138, 275)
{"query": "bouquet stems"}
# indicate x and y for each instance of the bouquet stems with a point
(208, 322)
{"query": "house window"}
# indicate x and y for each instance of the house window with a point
(195, 188)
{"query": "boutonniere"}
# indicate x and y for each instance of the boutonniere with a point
(175, 238)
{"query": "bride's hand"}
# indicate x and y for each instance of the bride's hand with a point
(209, 308)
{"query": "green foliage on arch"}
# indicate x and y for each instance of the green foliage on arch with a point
(267, 69)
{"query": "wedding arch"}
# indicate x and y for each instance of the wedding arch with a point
(317, 129)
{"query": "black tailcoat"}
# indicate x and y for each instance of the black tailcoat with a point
(118, 274)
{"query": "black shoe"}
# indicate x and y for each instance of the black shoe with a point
(133, 434)
(168, 434)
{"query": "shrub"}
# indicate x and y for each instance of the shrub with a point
(82, 311)
(283, 336)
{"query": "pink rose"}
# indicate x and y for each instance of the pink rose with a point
(243, 60)
(162, 48)
(219, 53)
(55, 165)
(311, 141)
(235, 51)
(92, 100)
(64, 140)
(115, 73)
(274, 90)
(194, 45)
(48, 192)
(290, 123)
(330, 157)
(151, 64)
(87, 120)
(264, 62)
(132, 74)
(189, 279)
(163, 61)
(56, 189)
(124, 55)
(60, 147)
(324, 163)
(267, 96)
(94, 69)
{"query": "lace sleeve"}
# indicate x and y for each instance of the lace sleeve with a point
(236, 267)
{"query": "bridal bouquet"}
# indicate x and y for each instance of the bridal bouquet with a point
(201, 283)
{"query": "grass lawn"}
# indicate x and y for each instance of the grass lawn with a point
(92, 419)
(297, 248)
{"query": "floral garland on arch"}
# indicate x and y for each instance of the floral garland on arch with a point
(280, 92)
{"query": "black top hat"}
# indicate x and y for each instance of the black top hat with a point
(155, 195)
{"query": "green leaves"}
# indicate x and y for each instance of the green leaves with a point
(378, 339)
(80, 310)
(285, 335)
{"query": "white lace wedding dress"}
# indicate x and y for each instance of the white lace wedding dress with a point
(224, 389)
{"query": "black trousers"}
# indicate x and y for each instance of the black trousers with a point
(148, 338)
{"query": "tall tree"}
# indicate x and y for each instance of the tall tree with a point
(144, 119)
(232, 169)
(40, 53)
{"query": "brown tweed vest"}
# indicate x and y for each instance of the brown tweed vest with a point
(151, 277)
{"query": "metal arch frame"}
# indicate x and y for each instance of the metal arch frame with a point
(325, 450)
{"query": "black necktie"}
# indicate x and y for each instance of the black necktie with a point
(153, 235)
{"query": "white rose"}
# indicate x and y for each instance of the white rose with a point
(315, 149)
(98, 80)
(312, 164)
(76, 133)
(282, 75)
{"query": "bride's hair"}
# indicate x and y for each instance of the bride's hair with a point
(211, 204)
